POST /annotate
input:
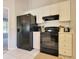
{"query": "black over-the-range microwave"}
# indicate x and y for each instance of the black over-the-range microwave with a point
(51, 17)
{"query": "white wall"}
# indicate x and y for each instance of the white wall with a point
(5, 13)
(10, 5)
(21, 6)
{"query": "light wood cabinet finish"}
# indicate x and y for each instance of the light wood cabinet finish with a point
(64, 11)
(65, 44)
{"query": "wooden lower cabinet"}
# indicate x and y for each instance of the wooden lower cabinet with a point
(65, 44)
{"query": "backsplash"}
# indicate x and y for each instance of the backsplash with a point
(65, 24)
(50, 23)
(54, 23)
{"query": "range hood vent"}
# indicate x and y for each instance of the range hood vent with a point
(51, 17)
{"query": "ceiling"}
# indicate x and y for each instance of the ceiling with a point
(22, 6)
(39, 3)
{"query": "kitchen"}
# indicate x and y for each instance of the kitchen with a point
(62, 9)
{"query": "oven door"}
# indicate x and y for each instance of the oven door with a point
(49, 43)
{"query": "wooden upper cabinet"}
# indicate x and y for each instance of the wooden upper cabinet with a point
(65, 44)
(64, 11)
(41, 12)
(54, 9)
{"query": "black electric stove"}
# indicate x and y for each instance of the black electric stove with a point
(49, 41)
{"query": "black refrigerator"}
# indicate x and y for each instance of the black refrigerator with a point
(25, 24)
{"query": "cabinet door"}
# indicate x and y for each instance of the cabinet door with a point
(40, 15)
(43, 12)
(64, 11)
(54, 10)
(65, 44)
(36, 40)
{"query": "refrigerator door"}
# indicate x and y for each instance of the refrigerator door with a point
(24, 36)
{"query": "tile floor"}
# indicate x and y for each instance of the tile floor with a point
(20, 54)
(46, 56)
(5, 51)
